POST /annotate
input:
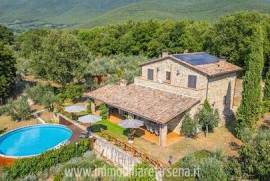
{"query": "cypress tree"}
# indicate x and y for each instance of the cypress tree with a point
(267, 87)
(250, 108)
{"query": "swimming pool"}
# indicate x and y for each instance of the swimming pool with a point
(33, 140)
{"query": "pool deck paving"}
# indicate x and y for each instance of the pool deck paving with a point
(6, 161)
(75, 129)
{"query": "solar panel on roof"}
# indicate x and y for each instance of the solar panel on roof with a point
(198, 58)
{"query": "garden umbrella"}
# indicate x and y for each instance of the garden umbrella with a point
(89, 119)
(75, 108)
(131, 123)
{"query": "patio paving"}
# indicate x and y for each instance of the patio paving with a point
(171, 137)
(115, 119)
(221, 139)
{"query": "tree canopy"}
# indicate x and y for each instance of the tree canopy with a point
(61, 58)
(6, 35)
(7, 71)
(228, 37)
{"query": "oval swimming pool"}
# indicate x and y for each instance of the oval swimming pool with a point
(33, 140)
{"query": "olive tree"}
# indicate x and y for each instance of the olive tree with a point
(207, 117)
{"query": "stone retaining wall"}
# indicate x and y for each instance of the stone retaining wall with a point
(115, 155)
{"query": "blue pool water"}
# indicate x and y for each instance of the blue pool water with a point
(33, 140)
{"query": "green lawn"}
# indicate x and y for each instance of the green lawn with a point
(110, 128)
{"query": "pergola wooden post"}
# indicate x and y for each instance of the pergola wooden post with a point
(163, 131)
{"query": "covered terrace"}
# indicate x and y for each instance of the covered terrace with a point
(161, 111)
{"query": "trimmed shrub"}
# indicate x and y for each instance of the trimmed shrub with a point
(207, 117)
(189, 126)
(89, 109)
(27, 166)
(104, 111)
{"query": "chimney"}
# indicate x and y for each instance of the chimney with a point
(123, 83)
(164, 54)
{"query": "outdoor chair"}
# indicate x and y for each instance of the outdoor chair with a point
(151, 129)
(147, 126)
(156, 132)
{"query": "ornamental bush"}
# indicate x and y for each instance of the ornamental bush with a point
(27, 166)
(89, 107)
(207, 117)
(189, 126)
(104, 111)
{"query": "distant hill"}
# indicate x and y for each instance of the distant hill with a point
(87, 13)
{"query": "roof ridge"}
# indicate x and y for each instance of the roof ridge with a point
(190, 53)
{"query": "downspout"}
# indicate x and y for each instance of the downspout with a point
(206, 95)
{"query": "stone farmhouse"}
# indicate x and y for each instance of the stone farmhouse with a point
(168, 88)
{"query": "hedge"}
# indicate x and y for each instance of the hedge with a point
(27, 166)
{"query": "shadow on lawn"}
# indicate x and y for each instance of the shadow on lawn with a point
(98, 128)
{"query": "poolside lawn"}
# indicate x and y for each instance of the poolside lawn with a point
(110, 128)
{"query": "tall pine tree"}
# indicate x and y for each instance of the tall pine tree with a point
(249, 111)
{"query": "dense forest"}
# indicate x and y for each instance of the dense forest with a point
(115, 51)
(227, 38)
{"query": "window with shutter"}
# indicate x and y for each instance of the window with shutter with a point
(192, 81)
(168, 76)
(150, 74)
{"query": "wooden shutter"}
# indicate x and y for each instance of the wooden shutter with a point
(192, 81)
(168, 76)
(150, 74)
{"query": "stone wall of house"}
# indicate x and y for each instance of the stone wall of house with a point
(195, 93)
(220, 89)
(179, 74)
(175, 124)
(221, 93)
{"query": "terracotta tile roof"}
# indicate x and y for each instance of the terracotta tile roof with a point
(220, 67)
(152, 104)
